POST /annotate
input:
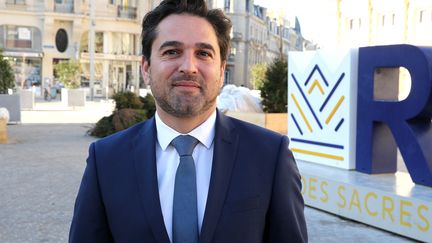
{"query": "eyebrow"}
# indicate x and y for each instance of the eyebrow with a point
(170, 44)
(203, 45)
(200, 45)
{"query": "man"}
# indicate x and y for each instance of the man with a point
(244, 180)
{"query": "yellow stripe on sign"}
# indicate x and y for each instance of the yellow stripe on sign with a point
(301, 113)
(323, 155)
(335, 109)
(316, 83)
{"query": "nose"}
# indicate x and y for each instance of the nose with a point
(188, 64)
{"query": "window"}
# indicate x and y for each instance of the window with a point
(422, 15)
(227, 78)
(227, 5)
(286, 33)
(99, 42)
(425, 16)
(355, 23)
(247, 6)
(15, 2)
(18, 37)
(123, 43)
(64, 1)
(28, 71)
(64, 6)
(84, 43)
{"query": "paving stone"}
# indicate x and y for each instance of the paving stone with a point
(40, 172)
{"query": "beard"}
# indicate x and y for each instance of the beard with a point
(183, 104)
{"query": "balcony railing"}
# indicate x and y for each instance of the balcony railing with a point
(126, 12)
(64, 7)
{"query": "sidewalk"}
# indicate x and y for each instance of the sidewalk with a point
(57, 112)
(40, 172)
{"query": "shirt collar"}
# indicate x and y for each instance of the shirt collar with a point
(204, 133)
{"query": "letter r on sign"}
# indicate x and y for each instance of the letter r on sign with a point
(409, 121)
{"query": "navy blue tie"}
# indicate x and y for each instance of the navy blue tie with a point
(185, 213)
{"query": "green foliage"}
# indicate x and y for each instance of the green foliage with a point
(149, 105)
(258, 72)
(127, 100)
(7, 78)
(130, 109)
(127, 117)
(69, 73)
(103, 127)
(275, 87)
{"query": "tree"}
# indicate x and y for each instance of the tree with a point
(258, 72)
(7, 78)
(69, 73)
(275, 87)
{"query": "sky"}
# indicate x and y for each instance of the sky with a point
(317, 17)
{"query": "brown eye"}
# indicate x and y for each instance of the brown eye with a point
(204, 54)
(170, 53)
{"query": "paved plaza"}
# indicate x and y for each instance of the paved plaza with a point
(42, 165)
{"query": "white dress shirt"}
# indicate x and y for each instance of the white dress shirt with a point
(167, 161)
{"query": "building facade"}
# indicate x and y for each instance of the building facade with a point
(37, 34)
(383, 22)
(257, 37)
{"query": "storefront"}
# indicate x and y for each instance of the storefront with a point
(116, 62)
(27, 68)
(112, 73)
(22, 47)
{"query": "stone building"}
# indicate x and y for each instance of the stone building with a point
(256, 38)
(383, 22)
(37, 34)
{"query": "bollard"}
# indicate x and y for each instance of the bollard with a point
(3, 131)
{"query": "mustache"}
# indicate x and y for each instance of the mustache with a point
(187, 77)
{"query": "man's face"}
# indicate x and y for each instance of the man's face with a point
(185, 72)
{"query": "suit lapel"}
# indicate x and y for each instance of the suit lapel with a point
(144, 154)
(225, 149)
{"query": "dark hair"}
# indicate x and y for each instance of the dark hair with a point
(221, 23)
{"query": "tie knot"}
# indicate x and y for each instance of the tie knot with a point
(184, 144)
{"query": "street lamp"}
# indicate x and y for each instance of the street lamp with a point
(91, 45)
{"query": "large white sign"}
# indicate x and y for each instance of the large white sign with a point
(322, 97)
(398, 212)
(336, 119)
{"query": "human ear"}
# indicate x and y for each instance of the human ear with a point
(222, 74)
(145, 70)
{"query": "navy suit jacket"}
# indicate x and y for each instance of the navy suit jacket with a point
(254, 193)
